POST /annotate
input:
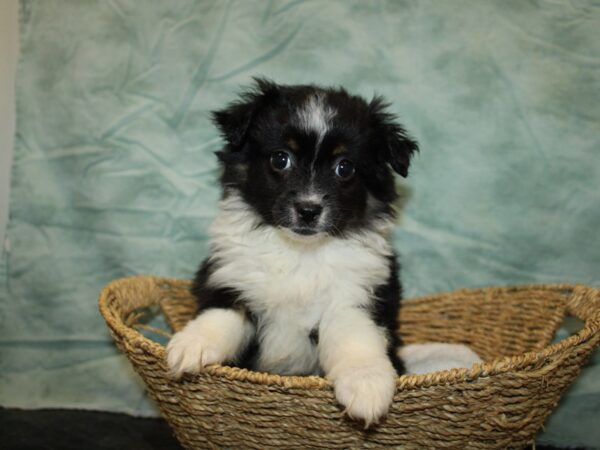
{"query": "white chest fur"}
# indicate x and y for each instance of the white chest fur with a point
(289, 283)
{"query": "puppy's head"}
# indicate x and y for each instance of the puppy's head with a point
(312, 160)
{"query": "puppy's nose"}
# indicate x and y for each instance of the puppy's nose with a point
(308, 211)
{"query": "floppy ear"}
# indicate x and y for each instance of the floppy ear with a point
(397, 146)
(234, 121)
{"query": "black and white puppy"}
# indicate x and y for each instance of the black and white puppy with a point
(302, 277)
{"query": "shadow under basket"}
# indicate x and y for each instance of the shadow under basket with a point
(500, 403)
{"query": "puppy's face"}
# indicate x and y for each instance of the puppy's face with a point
(312, 160)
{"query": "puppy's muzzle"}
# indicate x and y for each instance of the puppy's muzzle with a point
(308, 212)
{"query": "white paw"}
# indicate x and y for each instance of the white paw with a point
(217, 335)
(189, 351)
(365, 388)
(433, 357)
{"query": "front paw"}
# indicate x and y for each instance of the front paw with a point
(189, 351)
(365, 388)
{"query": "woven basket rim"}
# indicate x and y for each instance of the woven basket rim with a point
(585, 295)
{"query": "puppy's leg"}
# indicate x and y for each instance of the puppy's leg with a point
(435, 356)
(217, 335)
(353, 354)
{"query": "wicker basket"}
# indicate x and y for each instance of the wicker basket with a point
(501, 403)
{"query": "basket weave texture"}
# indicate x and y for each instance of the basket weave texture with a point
(500, 403)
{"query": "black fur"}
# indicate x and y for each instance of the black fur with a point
(223, 298)
(385, 312)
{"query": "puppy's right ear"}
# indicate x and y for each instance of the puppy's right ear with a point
(234, 121)
(396, 147)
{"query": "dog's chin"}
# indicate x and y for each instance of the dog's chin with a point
(305, 231)
(303, 235)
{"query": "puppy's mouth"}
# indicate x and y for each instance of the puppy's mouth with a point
(305, 231)
(303, 235)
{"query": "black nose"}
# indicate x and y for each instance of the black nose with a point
(308, 211)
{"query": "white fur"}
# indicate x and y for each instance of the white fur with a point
(215, 336)
(353, 355)
(365, 388)
(433, 357)
(291, 281)
(311, 197)
(315, 116)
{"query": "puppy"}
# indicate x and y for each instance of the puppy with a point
(302, 277)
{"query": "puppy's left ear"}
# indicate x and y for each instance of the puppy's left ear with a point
(396, 146)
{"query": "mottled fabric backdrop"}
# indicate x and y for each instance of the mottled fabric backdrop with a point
(114, 172)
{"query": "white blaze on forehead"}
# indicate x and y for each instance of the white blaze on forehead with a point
(315, 116)
(311, 196)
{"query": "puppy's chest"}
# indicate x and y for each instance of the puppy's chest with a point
(289, 288)
(275, 277)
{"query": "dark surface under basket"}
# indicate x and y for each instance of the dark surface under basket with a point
(501, 403)
(63, 429)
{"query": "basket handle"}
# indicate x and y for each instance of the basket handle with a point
(584, 303)
(121, 298)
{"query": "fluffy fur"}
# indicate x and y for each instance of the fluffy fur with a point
(301, 277)
(435, 356)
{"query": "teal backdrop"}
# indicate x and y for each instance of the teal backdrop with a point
(114, 172)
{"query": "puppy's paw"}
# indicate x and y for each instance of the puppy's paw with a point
(190, 350)
(365, 388)
(436, 356)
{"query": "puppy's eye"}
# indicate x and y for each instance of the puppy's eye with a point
(281, 161)
(344, 169)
